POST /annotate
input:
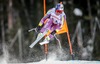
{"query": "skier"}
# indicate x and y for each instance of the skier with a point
(52, 21)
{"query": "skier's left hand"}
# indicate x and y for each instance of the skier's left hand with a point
(38, 28)
(53, 32)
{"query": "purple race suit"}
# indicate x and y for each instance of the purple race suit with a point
(54, 22)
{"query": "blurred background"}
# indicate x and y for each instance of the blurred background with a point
(18, 16)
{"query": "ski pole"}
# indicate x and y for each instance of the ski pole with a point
(32, 30)
(58, 41)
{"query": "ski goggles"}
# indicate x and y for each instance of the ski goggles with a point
(59, 11)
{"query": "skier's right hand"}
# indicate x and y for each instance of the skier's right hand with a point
(38, 28)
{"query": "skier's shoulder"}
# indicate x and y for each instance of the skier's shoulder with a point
(63, 14)
(51, 10)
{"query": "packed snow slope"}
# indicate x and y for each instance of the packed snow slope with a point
(62, 62)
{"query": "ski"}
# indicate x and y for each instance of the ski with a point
(38, 39)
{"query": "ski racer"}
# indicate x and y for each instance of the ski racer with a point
(52, 21)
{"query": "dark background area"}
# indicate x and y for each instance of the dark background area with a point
(22, 15)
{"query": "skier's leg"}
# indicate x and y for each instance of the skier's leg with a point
(47, 26)
(45, 41)
(39, 35)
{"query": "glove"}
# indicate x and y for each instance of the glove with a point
(53, 32)
(39, 27)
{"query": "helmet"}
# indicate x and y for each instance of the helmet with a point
(59, 6)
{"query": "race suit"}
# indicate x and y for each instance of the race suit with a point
(54, 22)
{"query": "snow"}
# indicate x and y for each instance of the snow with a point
(52, 59)
(77, 12)
(62, 62)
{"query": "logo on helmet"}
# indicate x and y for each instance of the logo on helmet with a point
(59, 7)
